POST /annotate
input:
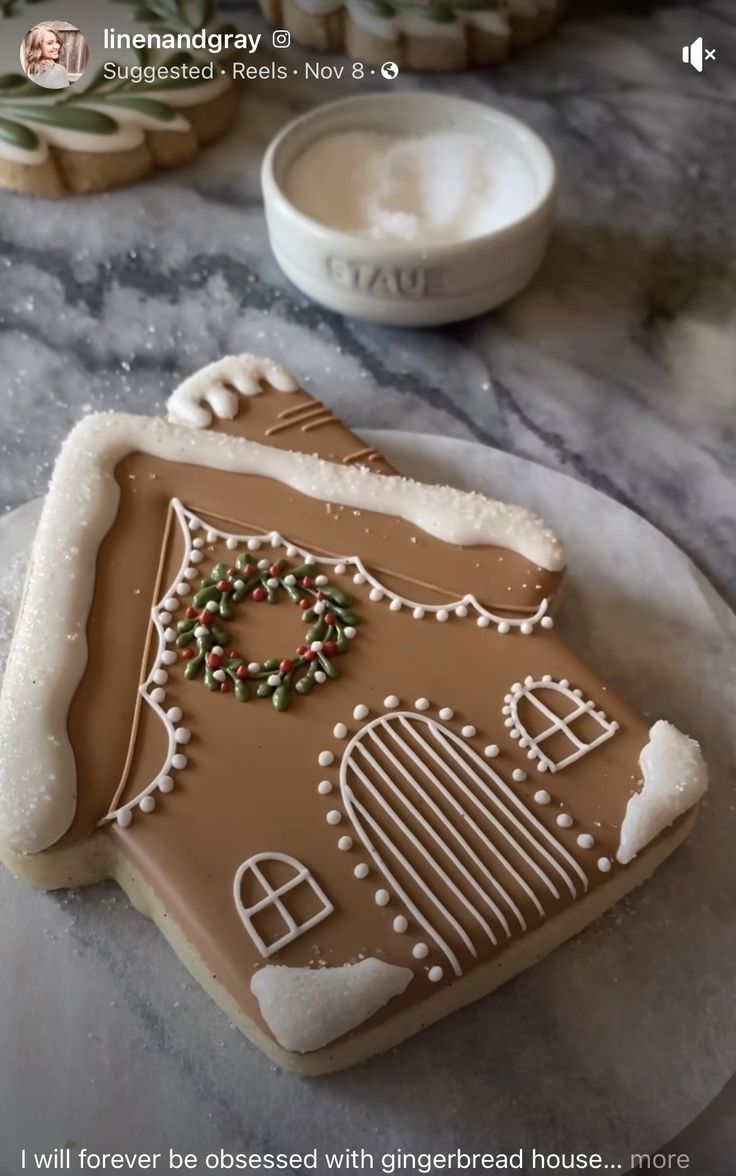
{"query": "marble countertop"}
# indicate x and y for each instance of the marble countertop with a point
(616, 365)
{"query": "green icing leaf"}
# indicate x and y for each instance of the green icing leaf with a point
(68, 117)
(19, 135)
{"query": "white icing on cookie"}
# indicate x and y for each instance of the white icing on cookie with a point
(307, 1008)
(218, 384)
(675, 778)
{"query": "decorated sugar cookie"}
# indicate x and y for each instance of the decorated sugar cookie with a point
(110, 127)
(433, 35)
(317, 721)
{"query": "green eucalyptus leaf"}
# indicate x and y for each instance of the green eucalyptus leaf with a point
(18, 84)
(68, 117)
(145, 106)
(19, 135)
(380, 8)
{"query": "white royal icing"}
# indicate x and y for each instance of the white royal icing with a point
(307, 1008)
(250, 873)
(219, 383)
(556, 724)
(375, 779)
(675, 777)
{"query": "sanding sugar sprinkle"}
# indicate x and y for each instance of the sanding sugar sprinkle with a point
(436, 188)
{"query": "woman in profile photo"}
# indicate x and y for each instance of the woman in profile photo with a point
(44, 49)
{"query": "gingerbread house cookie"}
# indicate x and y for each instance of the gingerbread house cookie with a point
(432, 35)
(316, 721)
(118, 123)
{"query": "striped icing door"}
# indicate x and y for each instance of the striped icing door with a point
(471, 863)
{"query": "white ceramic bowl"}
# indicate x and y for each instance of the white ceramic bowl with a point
(397, 283)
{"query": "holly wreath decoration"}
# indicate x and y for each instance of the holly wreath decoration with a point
(206, 647)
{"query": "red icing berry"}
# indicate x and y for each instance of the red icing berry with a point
(187, 654)
(302, 649)
(214, 661)
(330, 619)
(232, 655)
(250, 569)
(233, 572)
(308, 582)
(223, 585)
(225, 687)
(310, 655)
(320, 596)
(286, 666)
(207, 618)
(329, 648)
(305, 604)
(243, 672)
(274, 570)
(190, 613)
(259, 594)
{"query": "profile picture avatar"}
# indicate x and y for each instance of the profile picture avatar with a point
(54, 54)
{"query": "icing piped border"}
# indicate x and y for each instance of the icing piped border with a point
(38, 795)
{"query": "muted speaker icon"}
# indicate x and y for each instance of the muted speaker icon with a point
(695, 56)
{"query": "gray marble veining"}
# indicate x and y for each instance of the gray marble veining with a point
(618, 364)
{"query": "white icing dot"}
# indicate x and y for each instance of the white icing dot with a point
(272, 582)
(275, 539)
(340, 569)
(309, 559)
(148, 804)
(395, 605)
(157, 695)
(420, 951)
(519, 775)
(418, 614)
(483, 622)
(183, 589)
(447, 713)
(320, 677)
(174, 714)
(604, 865)
(360, 711)
(325, 758)
(168, 657)
(359, 578)
(164, 617)
(362, 870)
(198, 544)
(165, 784)
(201, 631)
(124, 818)
(263, 564)
(254, 667)
(321, 581)
(547, 623)
(160, 677)
(212, 536)
(191, 574)
(468, 731)
(503, 627)
(382, 898)
(339, 730)
(334, 817)
(435, 974)
(170, 634)
(324, 787)
(564, 820)
(231, 543)
(585, 841)
(290, 580)
(422, 704)
(350, 632)
(254, 544)
(461, 611)
(179, 762)
(390, 701)
(375, 594)
(401, 924)
(193, 525)
(316, 647)
(292, 551)
(527, 627)
(218, 649)
(272, 679)
(345, 843)
(543, 796)
(171, 603)
(442, 615)
(491, 751)
(212, 607)
(182, 736)
(220, 676)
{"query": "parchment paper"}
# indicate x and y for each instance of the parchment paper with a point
(611, 1045)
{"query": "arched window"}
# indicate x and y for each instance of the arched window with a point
(554, 722)
(278, 900)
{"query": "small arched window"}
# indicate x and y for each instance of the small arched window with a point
(278, 900)
(555, 723)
